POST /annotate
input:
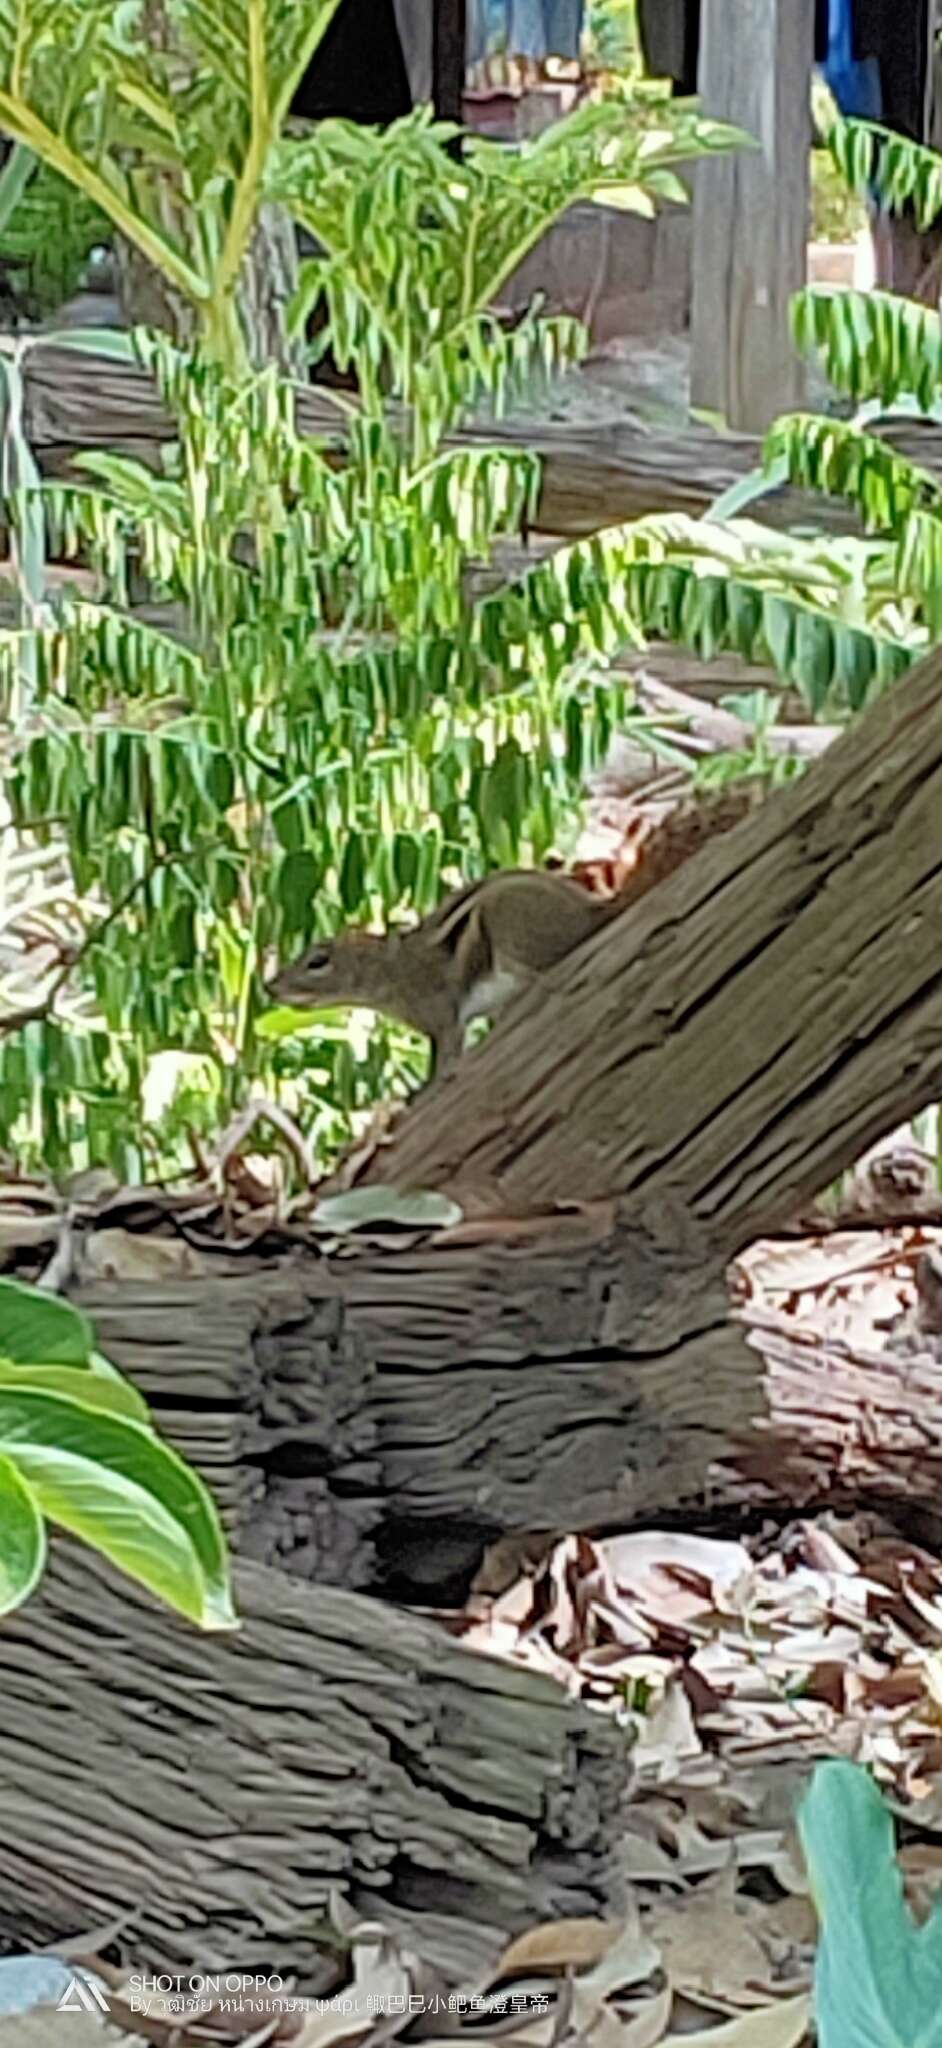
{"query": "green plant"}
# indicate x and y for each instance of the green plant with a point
(885, 354)
(324, 724)
(874, 163)
(78, 1448)
(839, 617)
(163, 118)
(879, 1976)
(838, 211)
(612, 35)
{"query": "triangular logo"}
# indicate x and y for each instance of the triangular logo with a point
(82, 1995)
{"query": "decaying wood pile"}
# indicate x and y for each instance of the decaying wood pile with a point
(377, 1419)
(689, 1081)
(564, 1359)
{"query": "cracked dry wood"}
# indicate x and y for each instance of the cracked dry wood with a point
(222, 1787)
(380, 1418)
(716, 1056)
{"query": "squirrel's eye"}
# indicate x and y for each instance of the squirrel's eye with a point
(318, 960)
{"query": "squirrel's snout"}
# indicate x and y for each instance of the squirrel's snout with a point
(279, 987)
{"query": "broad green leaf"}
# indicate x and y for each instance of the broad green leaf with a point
(115, 1484)
(95, 1389)
(37, 1327)
(22, 1538)
(879, 1975)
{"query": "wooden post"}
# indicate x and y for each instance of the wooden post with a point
(449, 30)
(751, 210)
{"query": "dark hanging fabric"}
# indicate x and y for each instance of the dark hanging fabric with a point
(896, 33)
(669, 31)
(358, 70)
(670, 39)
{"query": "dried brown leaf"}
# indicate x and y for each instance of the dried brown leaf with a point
(631, 1960)
(559, 1945)
(127, 1255)
(709, 1951)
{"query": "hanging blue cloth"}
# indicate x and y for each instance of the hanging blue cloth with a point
(854, 81)
(525, 28)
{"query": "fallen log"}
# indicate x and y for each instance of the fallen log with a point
(376, 1419)
(594, 475)
(218, 1790)
(741, 1036)
(849, 1421)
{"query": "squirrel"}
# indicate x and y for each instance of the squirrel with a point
(466, 960)
(489, 940)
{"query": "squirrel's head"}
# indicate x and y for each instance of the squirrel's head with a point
(341, 970)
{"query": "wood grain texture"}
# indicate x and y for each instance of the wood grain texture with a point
(752, 210)
(720, 1053)
(222, 1787)
(382, 1416)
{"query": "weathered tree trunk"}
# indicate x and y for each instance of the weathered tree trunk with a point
(716, 1056)
(751, 210)
(220, 1789)
(269, 278)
